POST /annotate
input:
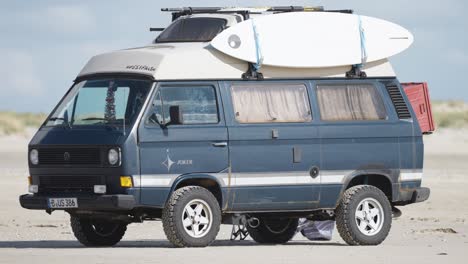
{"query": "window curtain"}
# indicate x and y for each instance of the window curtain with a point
(271, 103)
(350, 102)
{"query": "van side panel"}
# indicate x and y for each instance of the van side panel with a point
(180, 150)
(268, 166)
(354, 148)
(264, 173)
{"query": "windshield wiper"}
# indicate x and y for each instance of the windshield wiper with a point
(94, 118)
(65, 121)
(56, 118)
(109, 124)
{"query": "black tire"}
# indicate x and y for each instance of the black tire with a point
(274, 230)
(174, 211)
(97, 233)
(346, 222)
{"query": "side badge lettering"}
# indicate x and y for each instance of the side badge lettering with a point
(168, 162)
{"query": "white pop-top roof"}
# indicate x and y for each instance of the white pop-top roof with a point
(200, 61)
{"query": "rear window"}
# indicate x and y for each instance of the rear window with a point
(198, 29)
(350, 102)
(271, 103)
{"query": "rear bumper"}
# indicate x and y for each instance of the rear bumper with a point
(415, 195)
(420, 195)
(117, 202)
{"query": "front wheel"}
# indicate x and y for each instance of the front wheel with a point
(97, 233)
(274, 230)
(191, 217)
(364, 216)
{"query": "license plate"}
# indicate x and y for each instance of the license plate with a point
(63, 203)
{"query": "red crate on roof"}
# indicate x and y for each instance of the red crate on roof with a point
(418, 95)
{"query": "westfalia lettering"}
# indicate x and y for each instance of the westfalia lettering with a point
(141, 68)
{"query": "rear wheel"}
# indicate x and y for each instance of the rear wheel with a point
(192, 217)
(97, 233)
(364, 216)
(274, 230)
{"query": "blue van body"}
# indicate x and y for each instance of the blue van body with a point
(250, 168)
(179, 131)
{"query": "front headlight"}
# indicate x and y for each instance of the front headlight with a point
(34, 156)
(113, 156)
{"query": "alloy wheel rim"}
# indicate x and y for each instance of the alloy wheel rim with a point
(197, 218)
(369, 216)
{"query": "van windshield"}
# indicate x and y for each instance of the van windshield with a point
(101, 102)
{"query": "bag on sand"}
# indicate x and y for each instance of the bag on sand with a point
(316, 230)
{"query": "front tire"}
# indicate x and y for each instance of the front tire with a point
(191, 217)
(364, 216)
(274, 230)
(97, 233)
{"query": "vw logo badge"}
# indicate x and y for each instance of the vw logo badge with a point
(66, 156)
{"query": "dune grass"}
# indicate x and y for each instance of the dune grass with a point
(450, 114)
(447, 114)
(454, 120)
(17, 123)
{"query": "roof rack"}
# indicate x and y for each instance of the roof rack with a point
(184, 11)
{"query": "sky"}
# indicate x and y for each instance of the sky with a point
(44, 44)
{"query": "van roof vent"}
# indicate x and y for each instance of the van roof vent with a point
(398, 102)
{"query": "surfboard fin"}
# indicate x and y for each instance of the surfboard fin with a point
(252, 74)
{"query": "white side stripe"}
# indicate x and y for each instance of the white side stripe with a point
(251, 181)
(136, 181)
(265, 178)
(410, 176)
(156, 180)
(328, 179)
(246, 179)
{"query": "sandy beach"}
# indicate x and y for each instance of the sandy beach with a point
(431, 232)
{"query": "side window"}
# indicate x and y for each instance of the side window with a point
(271, 103)
(350, 102)
(197, 103)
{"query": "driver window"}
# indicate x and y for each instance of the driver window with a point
(156, 116)
(198, 105)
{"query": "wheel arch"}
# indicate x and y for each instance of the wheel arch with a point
(206, 181)
(379, 180)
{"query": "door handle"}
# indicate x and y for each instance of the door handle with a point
(219, 144)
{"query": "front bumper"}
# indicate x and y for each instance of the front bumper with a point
(118, 202)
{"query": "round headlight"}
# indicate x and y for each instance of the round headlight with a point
(34, 156)
(113, 156)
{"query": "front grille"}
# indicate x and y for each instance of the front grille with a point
(69, 156)
(70, 183)
(398, 101)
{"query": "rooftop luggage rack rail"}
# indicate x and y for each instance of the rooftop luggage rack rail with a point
(245, 11)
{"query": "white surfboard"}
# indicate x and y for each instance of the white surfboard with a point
(312, 39)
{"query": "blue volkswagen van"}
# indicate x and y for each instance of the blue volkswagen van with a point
(179, 132)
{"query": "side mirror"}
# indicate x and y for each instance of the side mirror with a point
(175, 113)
